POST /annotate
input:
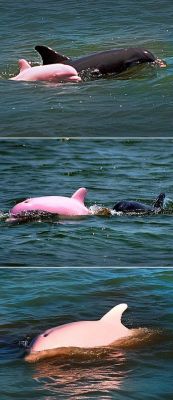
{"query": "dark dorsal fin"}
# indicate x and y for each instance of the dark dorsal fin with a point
(159, 201)
(50, 56)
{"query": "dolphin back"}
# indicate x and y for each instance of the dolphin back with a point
(112, 61)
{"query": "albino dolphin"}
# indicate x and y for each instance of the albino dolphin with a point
(52, 73)
(65, 206)
(83, 334)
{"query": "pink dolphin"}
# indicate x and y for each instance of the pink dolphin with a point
(51, 73)
(83, 334)
(65, 206)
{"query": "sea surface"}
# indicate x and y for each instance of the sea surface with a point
(137, 103)
(34, 300)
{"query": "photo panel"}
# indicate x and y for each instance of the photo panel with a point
(86, 154)
(86, 203)
(122, 52)
(68, 308)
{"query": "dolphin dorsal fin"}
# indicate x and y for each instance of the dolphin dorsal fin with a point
(79, 195)
(159, 201)
(50, 56)
(115, 313)
(23, 64)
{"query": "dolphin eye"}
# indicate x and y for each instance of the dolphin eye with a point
(46, 334)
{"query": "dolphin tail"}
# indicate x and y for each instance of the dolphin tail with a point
(50, 56)
(115, 313)
(159, 201)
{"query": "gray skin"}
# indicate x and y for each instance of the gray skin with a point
(126, 206)
(102, 63)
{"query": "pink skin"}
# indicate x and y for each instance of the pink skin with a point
(65, 206)
(84, 334)
(51, 73)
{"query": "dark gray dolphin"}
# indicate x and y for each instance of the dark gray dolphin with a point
(102, 63)
(126, 206)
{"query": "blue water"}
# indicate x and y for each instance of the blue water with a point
(57, 271)
(138, 103)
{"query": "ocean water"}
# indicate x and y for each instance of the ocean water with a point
(138, 103)
(57, 271)
(111, 170)
(33, 300)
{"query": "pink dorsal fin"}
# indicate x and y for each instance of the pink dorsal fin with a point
(115, 314)
(80, 195)
(23, 64)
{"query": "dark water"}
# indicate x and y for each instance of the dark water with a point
(111, 171)
(34, 300)
(138, 103)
